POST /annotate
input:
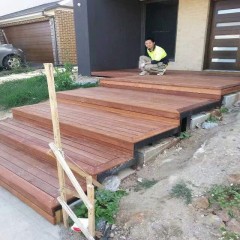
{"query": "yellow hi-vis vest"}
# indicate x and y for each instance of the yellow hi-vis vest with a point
(157, 54)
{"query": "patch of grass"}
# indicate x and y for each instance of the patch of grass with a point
(34, 90)
(22, 92)
(227, 197)
(106, 205)
(181, 190)
(224, 109)
(145, 184)
(185, 135)
(227, 235)
(212, 118)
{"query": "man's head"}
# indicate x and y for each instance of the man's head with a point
(150, 43)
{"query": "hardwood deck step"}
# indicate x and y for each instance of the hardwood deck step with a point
(121, 129)
(212, 87)
(156, 104)
(31, 179)
(93, 156)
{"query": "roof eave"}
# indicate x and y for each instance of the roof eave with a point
(22, 18)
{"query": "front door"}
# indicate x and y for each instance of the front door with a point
(224, 47)
(161, 24)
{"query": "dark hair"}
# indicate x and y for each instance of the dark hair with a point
(149, 38)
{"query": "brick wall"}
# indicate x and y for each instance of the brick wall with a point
(65, 33)
(193, 18)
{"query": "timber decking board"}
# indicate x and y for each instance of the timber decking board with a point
(89, 159)
(169, 106)
(32, 180)
(123, 128)
(193, 85)
(94, 146)
(202, 82)
(50, 217)
(30, 176)
(157, 88)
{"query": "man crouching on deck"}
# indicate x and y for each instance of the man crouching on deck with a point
(156, 62)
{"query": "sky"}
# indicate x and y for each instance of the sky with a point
(9, 6)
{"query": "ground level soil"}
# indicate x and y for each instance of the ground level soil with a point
(205, 159)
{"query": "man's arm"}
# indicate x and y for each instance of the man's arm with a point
(154, 62)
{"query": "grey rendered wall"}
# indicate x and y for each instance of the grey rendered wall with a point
(114, 33)
(82, 36)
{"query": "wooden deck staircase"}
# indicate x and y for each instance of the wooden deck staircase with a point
(101, 128)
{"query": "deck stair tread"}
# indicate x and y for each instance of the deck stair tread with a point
(31, 177)
(92, 156)
(201, 86)
(182, 81)
(119, 129)
(163, 105)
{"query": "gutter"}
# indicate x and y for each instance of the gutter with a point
(23, 18)
(33, 15)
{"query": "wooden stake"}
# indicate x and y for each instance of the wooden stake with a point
(91, 212)
(56, 131)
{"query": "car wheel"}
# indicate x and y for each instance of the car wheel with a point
(11, 62)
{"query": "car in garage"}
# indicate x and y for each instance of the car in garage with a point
(11, 57)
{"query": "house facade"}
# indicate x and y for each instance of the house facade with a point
(45, 33)
(197, 34)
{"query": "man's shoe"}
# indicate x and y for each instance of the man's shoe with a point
(162, 73)
(143, 73)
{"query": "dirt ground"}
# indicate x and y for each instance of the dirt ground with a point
(205, 159)
(200, 161)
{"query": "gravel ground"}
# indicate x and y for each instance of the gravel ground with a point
(20, 76)
(5, 114)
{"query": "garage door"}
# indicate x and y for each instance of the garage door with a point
(34, 39)
(224, 52)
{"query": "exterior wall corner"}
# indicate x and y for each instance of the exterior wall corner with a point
(65, 37)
